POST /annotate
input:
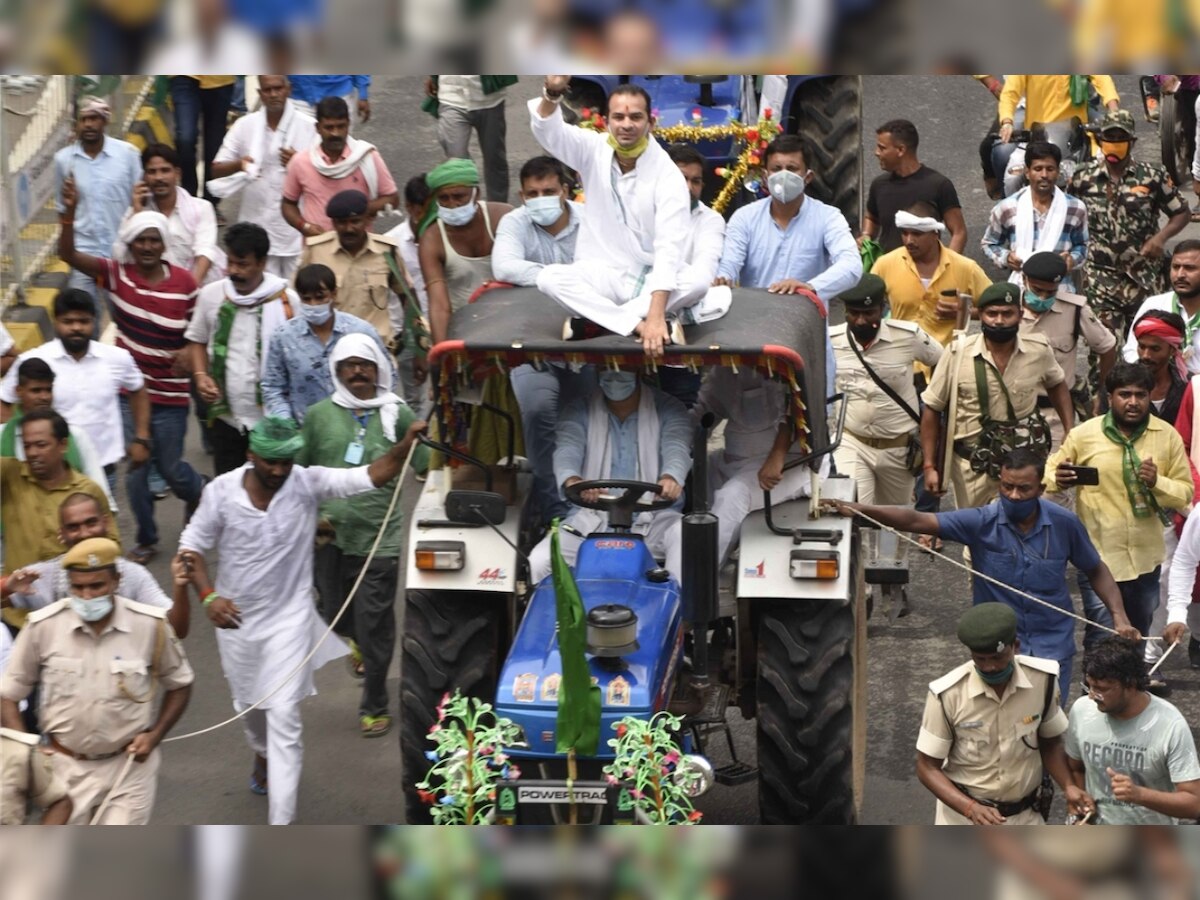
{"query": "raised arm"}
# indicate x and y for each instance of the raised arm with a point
(88, 265)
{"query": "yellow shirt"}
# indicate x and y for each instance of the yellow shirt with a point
(1048, 97)
(213, 81)
(1128, 35)
(914, 302)
(1129, 546)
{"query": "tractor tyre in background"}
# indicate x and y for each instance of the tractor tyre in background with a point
(828, 112)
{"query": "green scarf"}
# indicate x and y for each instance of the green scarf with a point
(1078, 89)
(1141, 500)
(220, 351)
(8, 441)
(630, 152)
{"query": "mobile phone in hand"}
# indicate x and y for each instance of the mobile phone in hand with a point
(1085, 476)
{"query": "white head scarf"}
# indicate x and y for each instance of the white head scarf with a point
(385, 401)
(906, 221)
(135, 225)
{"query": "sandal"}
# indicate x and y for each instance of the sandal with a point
(258, 776)
(374, 726)
(930, 543)
(142, 554)
(357, 667)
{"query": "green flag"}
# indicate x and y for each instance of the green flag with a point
(578, 723)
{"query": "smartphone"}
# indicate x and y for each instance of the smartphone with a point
(1085, 476)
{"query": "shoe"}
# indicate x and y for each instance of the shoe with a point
(675, 332)
(258, 776)
(1194, 653)
(357, 667)
(142, 554)
(577, 328)
(1159, 687)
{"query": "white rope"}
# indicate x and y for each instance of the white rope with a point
(995, 581)
(1162, 659)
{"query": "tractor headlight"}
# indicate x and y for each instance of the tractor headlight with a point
(441, 555)
(822, 564)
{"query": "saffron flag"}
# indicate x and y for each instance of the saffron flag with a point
(577, 724)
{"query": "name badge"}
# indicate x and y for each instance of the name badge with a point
(354, 454)
(978, 724)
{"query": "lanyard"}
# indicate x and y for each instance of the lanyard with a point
(362, 423)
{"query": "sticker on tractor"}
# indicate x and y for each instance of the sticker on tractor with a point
(615, 545)
(508, 799)
(618, 693)
(525, 688)
(491, 576)
(758, 571)
(550, 688)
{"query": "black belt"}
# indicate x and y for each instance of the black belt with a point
(82, 757)
(1005, 809)
(963, 450)
(1043, 402)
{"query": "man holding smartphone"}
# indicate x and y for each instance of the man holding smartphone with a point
(1142, 475)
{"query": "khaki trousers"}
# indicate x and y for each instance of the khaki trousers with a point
(89, 784)
(880, 476)
(970, 489)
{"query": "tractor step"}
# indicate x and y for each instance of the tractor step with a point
(714, 699)
(735, 773)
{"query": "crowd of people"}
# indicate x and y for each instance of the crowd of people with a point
(298, 338)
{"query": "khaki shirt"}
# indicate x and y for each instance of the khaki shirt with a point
(1032, 370)
(1057, 326)
(26, 775)
(989, 743)
(364, 281)
(871, 413)
(98, 691)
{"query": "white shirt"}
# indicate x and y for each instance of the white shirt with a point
(1183, 571)
(86, 391)
(136, 584)
(466, 92)
(408, 246)
(188, 242)
(267, 570)
(6, 341)
(261, 197)
(1164, 303)
(704, 241)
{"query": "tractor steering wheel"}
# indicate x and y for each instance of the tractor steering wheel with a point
(627, 501)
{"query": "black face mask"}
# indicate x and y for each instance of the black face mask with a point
(864, 334)
(1001, 334)
(76, 343)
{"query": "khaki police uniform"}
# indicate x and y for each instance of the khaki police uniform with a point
(1062, 325)
(875, 443)
(1032, 369)
(989, 743)
(26, 776)
(98, 691)
(364, 279)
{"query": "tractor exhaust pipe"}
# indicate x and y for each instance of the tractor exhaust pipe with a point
(701, 568)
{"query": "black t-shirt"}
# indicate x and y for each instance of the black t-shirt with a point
(891, 193)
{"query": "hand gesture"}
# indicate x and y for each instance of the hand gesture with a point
(671, 489)
(771, 472)
(1123, 788)
(70, 195)
(20, 581)
(224, 613)
(557, 84)
(141, 196)
(1148, 472)
(142, 746)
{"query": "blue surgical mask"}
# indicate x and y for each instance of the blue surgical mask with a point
(92, 610)
(1018, 510)
(1038, 303)
(618, 386)
(457, 216)
(785, 186)
(996, 677)
(544, 210)
(316, 314)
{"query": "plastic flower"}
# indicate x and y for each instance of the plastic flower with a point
(611, 779)
(426, 797)
(622, 730)
(431, 755)
(448, 800)
(755, 159)
(720, 171)
(695, 815)
(585, 113)
(635, 793)
(752, 134)
(514, 773)
(435, 728)
(766, 113)
(697, 114)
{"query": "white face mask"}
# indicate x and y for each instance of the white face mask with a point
(457, 216)
(786, 186)
(316, 314)
(92, 610)
(544, 210)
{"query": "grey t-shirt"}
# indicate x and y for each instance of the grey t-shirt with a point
(1155, 749)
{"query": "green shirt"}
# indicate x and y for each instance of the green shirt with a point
(328, 430)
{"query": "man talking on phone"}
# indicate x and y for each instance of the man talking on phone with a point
(1141, 476)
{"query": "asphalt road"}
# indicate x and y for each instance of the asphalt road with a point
(351, 780)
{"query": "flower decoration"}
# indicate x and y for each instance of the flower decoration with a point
(647, 762)
(469, 759)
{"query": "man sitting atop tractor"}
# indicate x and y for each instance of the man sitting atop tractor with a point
(630, 431)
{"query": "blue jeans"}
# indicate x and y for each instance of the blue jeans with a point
(542, 394)
(168, 427)
(1140, 597)
(191, 106)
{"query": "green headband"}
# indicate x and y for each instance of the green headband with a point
(274, 438)
(452, 171)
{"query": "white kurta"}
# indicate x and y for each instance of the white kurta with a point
(266, 568)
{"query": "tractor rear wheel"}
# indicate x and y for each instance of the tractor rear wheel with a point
(450, 640)
(828, 112)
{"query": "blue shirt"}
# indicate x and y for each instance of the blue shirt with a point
(105, 189)
(297, 374)
(312, 89)
(523, 248)
(1035, 563)
(674, 445)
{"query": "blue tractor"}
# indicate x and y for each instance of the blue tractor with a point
(784, 641)
(825, 109)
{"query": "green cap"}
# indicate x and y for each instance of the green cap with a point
(1004, 293)
(988, 627)
(275, 438)
(1117, 120)
(871, 290)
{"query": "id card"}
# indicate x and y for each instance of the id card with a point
(354, 454)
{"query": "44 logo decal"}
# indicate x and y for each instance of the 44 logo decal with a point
(491, 576)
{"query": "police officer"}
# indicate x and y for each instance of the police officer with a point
(100, 660)
(366, 285)
(1124, 200)
(991, 728)
(875, 355)
(1062, 318)
(27, 776)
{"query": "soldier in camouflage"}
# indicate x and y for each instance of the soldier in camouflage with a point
(1124, 200)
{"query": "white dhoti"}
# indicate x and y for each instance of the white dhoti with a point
(736, 493)
(611, 297)
(663, 533)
